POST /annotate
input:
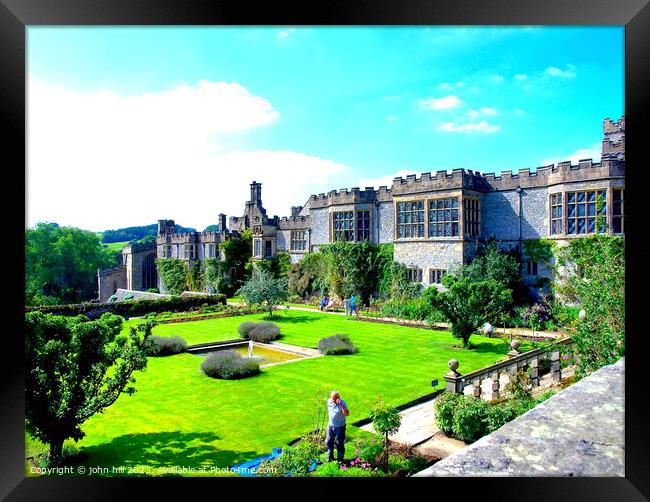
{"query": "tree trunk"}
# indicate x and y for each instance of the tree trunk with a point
(56, 452)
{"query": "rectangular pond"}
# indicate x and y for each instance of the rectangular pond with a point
(267, 354)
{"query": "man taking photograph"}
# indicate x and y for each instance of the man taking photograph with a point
(338, 410)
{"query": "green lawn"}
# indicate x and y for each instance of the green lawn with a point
(115, 246)
(179, 417)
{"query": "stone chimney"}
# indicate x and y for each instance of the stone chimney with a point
(222, 222)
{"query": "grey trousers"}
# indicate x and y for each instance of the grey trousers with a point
(335, 437)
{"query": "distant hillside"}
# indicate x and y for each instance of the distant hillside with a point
(136, 233)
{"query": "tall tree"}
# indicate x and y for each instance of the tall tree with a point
(61, 264)
(76, 368)
(264, 289)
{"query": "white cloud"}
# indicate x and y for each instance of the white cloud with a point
(488, 111)
(521, 76)
(283, 34)
(519, 111)
(440, 103)
(480, 127)
(385, 180)
(446, 86)
(496, 78)
(391, 98)
(391, 118)
(102, 160)
(473, 114)
(593, 152)
(553, 71)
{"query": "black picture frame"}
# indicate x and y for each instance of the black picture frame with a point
(16, 15)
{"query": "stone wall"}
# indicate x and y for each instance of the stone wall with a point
(436, 254)
(109, 281)
(385, 223)
(580, 431)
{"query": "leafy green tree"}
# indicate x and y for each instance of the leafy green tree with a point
(264, 289)
(386, 420)
(76, 368)
(61, 264)
(595, 278)
(467, 304)
(492, 262)
(173, 273)
(356, 267)
(278, 266)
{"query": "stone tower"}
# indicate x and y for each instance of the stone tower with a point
(614, 140)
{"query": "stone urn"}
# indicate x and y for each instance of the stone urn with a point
(515, 348)
(453, 366)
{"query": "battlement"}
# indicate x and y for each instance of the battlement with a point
(294, 222)
(440, 180)
(613, 145)
(563, 172)
(350, 196)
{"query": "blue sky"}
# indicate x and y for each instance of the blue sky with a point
(155, 115)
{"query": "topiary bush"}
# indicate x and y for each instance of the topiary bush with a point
(229, 365)
(336, 345)
(262, 332)
(165, 346)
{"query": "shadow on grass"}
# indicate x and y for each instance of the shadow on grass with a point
(160, 451)
(293, 319)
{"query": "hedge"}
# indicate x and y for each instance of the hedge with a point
(131, 308)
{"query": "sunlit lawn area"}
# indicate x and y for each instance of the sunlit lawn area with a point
(179, 417)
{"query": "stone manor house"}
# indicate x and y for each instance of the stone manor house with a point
(434, 221)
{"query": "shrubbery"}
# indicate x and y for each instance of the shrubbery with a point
(135, 307)
(262, 332)
(165, 346)
(294, 460)
(468, 418)
(336, 345)
(229, 365)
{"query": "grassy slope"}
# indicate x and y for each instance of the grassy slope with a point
(115, 246)
(180, 417)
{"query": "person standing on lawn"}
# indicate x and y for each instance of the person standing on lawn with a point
(338, 410)
(346, 305)
(353, 305)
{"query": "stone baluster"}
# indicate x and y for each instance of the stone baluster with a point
(495, 385)
(534, 371)
(477, 387)
(556, 370)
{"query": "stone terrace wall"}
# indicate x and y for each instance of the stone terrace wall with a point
(580, 431)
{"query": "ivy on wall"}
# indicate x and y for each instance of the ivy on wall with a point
(173, 273)
(539, 250)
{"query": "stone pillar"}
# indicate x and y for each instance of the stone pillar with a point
(556, 371)
(453, 382)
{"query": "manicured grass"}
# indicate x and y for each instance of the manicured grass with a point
(115, 246)
(180, 417)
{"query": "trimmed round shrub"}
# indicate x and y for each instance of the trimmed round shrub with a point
(129, 297)
(229, 365)
(165, 346)
(262, 332)
(336, 345)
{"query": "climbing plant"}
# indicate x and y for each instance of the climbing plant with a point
(173, 273)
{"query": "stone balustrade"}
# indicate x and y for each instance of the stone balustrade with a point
(487, 383)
